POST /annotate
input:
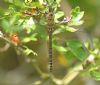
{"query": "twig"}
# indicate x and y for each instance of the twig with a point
(42, 74)
(69, 76)
(5, 48)
(72, 74)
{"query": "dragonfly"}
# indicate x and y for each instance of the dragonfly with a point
(50, 25)
(50, 22)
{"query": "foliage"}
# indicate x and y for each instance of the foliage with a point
(28, 19)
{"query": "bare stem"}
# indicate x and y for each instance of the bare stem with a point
(69, 76)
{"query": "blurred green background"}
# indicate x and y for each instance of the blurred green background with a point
(15, 70)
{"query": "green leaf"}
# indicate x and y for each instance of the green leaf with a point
(58, 1)
(26, 40)
(10, 1)
(14, 19)
(1, 12)
(75, 23)
(94, 70)
(41, 31)
(77, 16)
(50, 1)
(29, 25)
(28, 1)
(95, 74)
(28, 51)
(59, 30)
(58, 15)
(60, 48)
(30, 38)
(75, 11)
(77, 49)
(69, 56)
(5, 25)
(56, 46)
(71, 29)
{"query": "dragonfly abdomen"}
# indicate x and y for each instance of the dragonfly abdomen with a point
(50, 23)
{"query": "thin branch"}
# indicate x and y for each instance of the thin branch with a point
(5, 48)
(72, 74)
(69, 76)
(40, 72)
